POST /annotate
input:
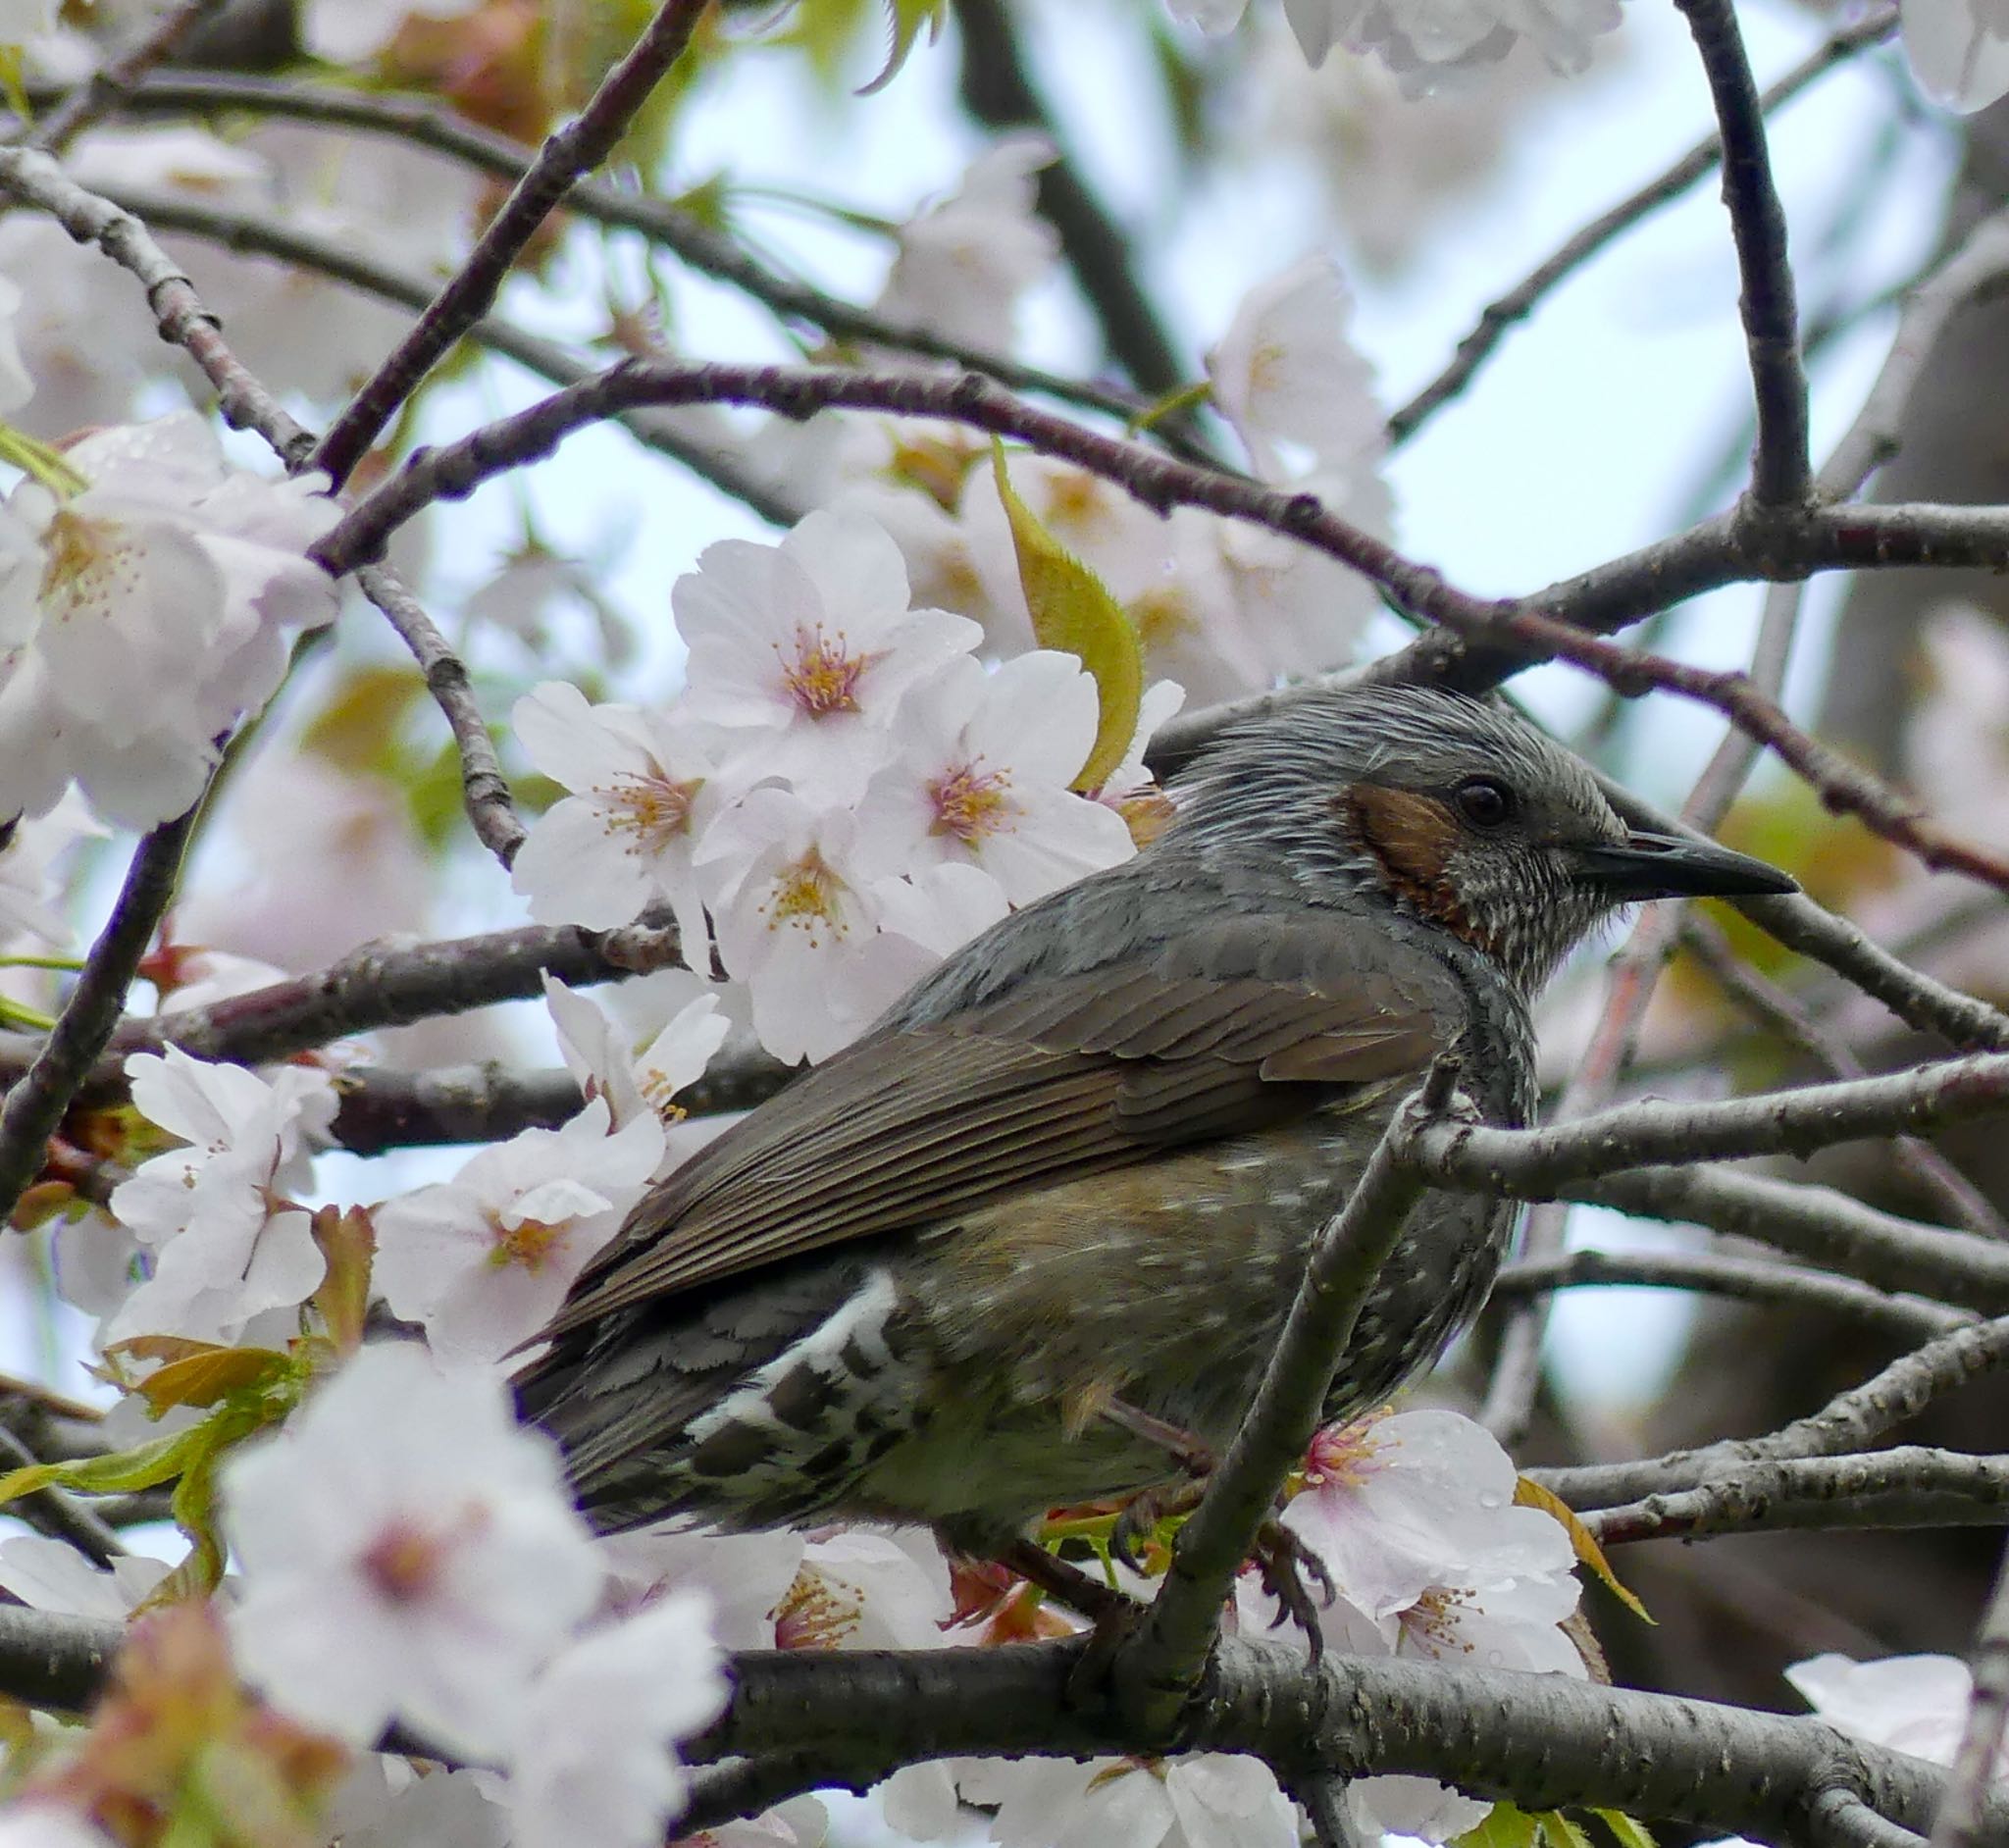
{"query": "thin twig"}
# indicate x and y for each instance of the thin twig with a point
(1958, 1824)
(1520, 301)
(565, 158)
(1159, 1668)
(57, 1512)
(485, 791)
(999, 94)
(1772, 1004)
(35, 1104)
(1781, 471)
(1749, 1279)
(110, 85)
(426, 123)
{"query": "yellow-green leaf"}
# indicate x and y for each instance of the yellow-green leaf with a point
(1629, 1830)
(1506, 1826)
(909, 20)
(1528, 1494)
(143, 1467)
(1073, 611)
(348, 1241)
(201, 1379)
(1561, 1832)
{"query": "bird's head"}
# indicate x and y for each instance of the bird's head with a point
(1447, 808)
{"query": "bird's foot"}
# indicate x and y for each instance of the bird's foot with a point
(1289, 1567)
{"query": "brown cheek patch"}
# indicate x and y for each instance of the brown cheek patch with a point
(1410, 837)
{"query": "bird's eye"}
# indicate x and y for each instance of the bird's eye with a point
(1484, 801)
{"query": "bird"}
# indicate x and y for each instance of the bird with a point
(1041, 1225)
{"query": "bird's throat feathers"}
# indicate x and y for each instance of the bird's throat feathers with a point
(1409, 836)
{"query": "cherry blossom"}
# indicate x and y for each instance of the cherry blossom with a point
(794, 917)
(639, 1076)
(409, 1552)
(964, 263)
(1959, 50)
(482, 1261)
(1916, 1704)
(53, 1575)
(1206, 1799)
(167, 587)
(345, 32)
(1284, 372)
(983, 774)
(229, 1239)
(801, 653)
(37, 1824)
(1420, 39)
(29, 878)
(644, 791)
(594, 1758)
(384, 1804)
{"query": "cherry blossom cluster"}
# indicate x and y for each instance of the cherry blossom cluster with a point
(1221, 609)
(840, 785)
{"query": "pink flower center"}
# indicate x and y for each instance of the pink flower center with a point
(969, 802)
(823, 678)
(404, 1562)
(656, 809)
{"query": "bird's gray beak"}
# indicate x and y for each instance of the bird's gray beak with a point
(1666, 866)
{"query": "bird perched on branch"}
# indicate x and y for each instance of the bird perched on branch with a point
(1043, 1224)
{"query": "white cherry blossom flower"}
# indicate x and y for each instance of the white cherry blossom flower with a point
(409, 1552)
(1285, 373)
(29, 881)
(229, 1241)
(1959, 50)
(16, 384)
(640, 1077)
(168, 589)
(860, 1589)
(982, 775)
(1420, 39)
(346, 31)
(384, 1804)
(1211, 1799)
(795, 914)
(1916, 1704)
(483, 1261)
(53, 1575)
(40, 1824)
(963, 264)
(594, 1758)
(643, 789)
(800, 651)
(743, 1577)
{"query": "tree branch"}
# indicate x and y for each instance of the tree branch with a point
(35, 1103)
(1781, 472)
(1520, 301)
(1160, 1667)
(568, 155)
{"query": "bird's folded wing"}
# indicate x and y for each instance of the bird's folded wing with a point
(1249, 1024)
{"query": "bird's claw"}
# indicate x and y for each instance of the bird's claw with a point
(1286, 1563)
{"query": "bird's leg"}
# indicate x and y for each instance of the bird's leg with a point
(1081, 1591)
(1284, 1561)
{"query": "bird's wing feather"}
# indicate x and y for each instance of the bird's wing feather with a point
(1254, 1020)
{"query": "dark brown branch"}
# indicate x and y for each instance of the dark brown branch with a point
(1520, 301)
(35, 1103)
(1958, 1824)
(566, 156)
(1781, 471)
(106, 90)
(999, 94)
